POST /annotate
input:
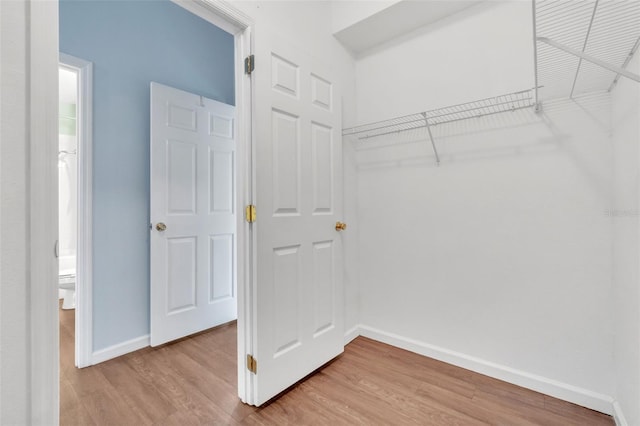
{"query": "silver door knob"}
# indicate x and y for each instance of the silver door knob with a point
(161, 226)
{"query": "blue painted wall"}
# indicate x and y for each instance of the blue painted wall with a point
(132, 43)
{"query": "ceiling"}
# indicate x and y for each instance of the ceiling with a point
(397, 20)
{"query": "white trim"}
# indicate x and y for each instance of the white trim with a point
(618, 415)
(120, 349)
(351, 334)
(564, 391)
(42, 144)
(219, 13)
(250, 301)
(84, 247)
(243, 194)
(233, 21)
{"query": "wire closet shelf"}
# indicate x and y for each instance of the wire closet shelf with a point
(474, 109)
(583, 46)
(580, 46)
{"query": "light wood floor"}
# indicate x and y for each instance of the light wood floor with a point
(193, 382)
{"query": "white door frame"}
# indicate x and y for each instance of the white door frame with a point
(33, 25)
(84, 252)
(230, 19)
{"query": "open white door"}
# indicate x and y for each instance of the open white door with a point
(193, 230)
(299, 293)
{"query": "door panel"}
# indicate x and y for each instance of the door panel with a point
(181, 178)
(299, 295)
(181, 294)
(286, 163)
(323, 286)
(193, 282)
(322, 160)
(221, 273)
(221, 182)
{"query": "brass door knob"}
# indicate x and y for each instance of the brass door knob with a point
(161, 226)
(341, 226)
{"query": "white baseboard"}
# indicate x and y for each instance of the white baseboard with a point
(564, 391)
(120, 349)
(618, 416)
(351, 334)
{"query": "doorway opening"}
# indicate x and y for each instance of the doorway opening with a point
(89, 349)
(66, 248)
(73, 247)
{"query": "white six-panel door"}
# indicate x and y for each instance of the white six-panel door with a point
(299, 293)
(193, 217)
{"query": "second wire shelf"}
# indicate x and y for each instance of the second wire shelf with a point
(503, 103)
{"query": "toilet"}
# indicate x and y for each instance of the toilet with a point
(67, 290)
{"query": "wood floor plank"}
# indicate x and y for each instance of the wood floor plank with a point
(412, 374)
(106, 408)
(193, 382)
(509, 391)
(521, 412)
(465, 405)
(155, 371)
(333, 402)
(293, 409)
(151, 404)
(87, 380)
(378, 403)
(401, 392)
(76, 415)
(583, 415)
(206, 352)
(181, 418)
(205, 380)
(72, 413)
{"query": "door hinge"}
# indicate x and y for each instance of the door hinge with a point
(249, 64)
(250, 213)
(252, 364)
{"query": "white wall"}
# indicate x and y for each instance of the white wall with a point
(626, 280)
(462, 57)
(499, 259)
(307, 24)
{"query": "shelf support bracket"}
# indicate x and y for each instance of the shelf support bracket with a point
(433, 144)
(591, 59)
(584, 47)
(535, 58)
(626, 63)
